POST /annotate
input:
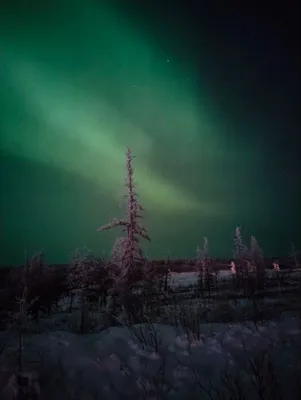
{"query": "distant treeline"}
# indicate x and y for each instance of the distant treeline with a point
(180, 264)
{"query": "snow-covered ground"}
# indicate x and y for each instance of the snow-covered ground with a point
(155, 361)
(187, 359)
(182, 279)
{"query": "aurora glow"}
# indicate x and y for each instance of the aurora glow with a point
(78, 84)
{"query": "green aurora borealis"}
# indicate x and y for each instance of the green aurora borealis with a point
(79, 82)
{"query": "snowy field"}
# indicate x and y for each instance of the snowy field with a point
(176, 356)
(156, 361)
(183, 279)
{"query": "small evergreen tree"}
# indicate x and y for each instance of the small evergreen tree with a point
(294, 255)
(240, 249)
(256, 251)
(203, 263)
(241, 258)
(78, 283)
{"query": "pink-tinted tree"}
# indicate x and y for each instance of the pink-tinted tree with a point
(127, 252)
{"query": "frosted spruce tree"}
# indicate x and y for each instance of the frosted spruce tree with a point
(257, 260)
(240, 252)
(294, 255)
(203, 264)
(127, 253)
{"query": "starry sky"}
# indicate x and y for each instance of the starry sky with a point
(207, 98)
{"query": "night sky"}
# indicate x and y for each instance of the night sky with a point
(208, 100)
